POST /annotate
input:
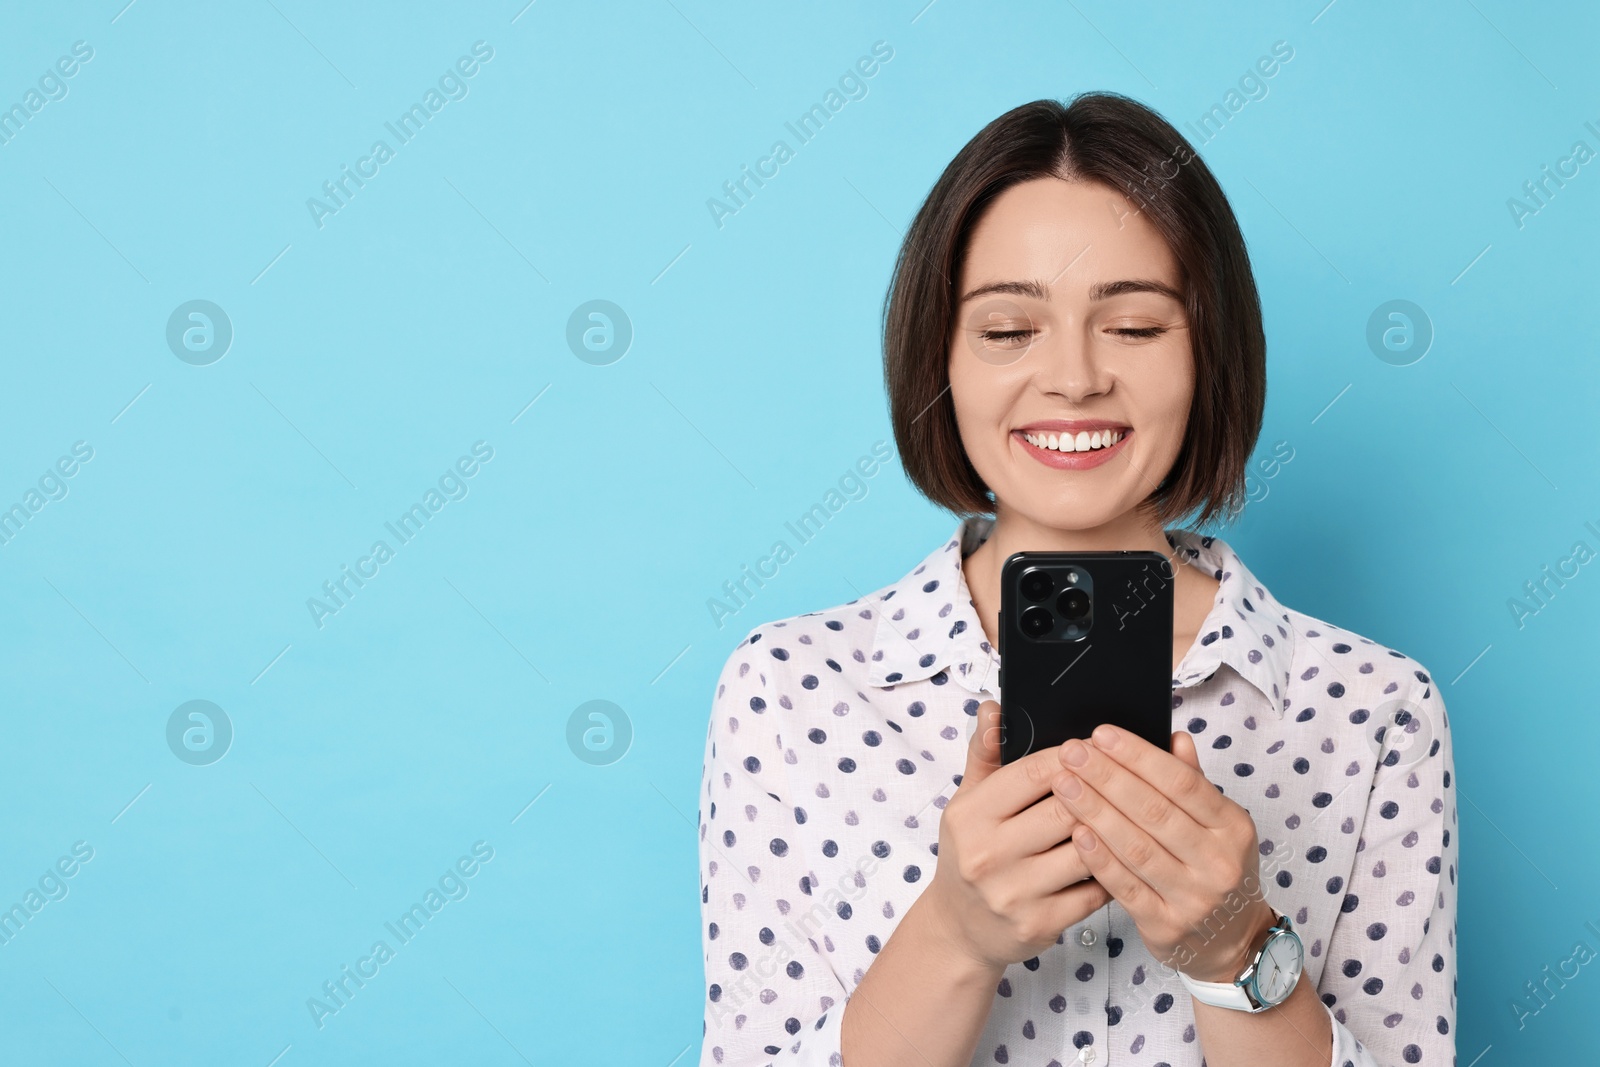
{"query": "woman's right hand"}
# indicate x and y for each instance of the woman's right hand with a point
(1009, 879)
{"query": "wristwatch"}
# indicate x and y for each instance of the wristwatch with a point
(1266, 981)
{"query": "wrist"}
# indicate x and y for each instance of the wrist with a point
(1227, 964)
(936, 929)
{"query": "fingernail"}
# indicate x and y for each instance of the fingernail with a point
(1105, 736)
(1069, 786)
(1075, 752)
(1085, 838)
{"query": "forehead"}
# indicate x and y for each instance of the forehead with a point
(1040, 227)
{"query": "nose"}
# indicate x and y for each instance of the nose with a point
(1068, 366)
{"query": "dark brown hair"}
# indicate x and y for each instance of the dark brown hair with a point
(1112, 139)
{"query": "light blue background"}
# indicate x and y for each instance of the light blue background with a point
(370, 353)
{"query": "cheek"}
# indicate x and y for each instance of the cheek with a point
(1164, 390)
(967, 395)
(983, 400)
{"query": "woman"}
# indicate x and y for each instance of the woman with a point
(1073, 346)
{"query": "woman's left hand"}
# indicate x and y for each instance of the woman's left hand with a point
(1181, 858)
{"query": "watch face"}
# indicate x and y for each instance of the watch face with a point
(1280, 966)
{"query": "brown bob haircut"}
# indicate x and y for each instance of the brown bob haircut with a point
(1119, 142)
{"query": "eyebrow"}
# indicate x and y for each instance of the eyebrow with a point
(1037, 290)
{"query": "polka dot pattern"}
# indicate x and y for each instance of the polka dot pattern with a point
(837, 737)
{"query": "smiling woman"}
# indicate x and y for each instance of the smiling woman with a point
(1075, 359)
(1080, 248)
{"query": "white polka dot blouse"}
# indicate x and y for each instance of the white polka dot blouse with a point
(837, 737)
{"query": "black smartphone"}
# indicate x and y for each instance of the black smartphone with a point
(1085, 638)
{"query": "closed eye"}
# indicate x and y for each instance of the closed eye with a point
(1140, 332)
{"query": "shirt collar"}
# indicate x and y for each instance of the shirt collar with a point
(1246, 628)
(927, 625)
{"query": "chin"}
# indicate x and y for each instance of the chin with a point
(1071, 514)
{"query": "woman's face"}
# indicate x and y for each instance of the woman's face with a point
(1070, 328)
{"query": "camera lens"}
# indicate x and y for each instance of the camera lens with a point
(1036, 622)
(1036, 585)
(1074, 604)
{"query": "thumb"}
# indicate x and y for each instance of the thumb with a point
(1183, 748)
(983, 748)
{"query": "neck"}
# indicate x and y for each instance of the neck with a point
(1014, 532)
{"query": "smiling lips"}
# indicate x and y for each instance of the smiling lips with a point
(1072, 445)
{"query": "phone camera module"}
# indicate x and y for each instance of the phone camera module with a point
(1037, 622)
(1073, 605)
(1037, 585)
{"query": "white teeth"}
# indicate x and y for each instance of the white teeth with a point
(1083, 441)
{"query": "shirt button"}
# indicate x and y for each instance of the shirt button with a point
(1086, 938)
(1086, 1054)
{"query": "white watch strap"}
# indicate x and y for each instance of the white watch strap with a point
(1218, 994)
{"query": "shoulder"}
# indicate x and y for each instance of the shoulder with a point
(834, 640)
(1388, 695)
(784, 680)
(799, 651)
(1320, 643)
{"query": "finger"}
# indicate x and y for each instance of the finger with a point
(1141, 854)
(1053, 869)
(1037, 828)
(1183, 748)
(1145, 805)
(1183, 782)
(983, 747)
(1012, 787)
(1021, 787)
(1107, 870)
(1021, 783)
(1078, 901)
